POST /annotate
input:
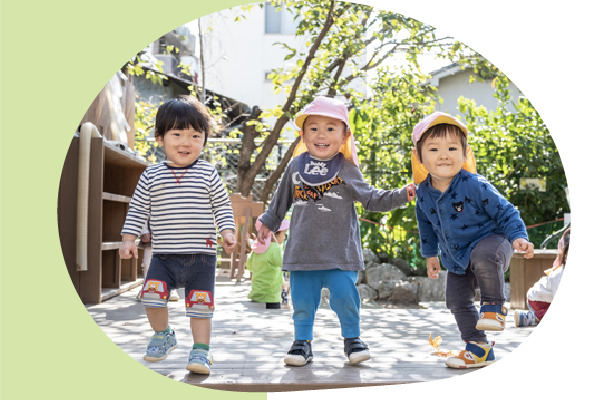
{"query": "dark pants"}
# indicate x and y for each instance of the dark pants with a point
(488, 262)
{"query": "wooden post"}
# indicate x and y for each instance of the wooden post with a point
(245, 209)
(525, 272)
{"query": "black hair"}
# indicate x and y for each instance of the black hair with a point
(182, 112)
(441, 130)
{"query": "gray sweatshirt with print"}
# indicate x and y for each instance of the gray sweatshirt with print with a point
(324, 232)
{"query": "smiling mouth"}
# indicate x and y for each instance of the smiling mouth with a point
(322, 145)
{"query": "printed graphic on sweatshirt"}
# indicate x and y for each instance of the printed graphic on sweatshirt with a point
(306, 192)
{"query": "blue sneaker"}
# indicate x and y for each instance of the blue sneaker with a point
(524, 318)
(199, 361)
(160, 345)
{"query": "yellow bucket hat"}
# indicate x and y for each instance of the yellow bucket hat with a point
(419, 172)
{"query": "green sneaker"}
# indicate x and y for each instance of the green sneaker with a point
(199, 361)
(160, 345)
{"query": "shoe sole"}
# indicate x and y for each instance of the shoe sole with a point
(296, 361)
(198, 369)
(153, 359)
(489, 325)
(517, 319)
(361, 356)
(467, 366)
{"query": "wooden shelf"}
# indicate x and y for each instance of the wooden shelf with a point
(114, 173)
(116, 197)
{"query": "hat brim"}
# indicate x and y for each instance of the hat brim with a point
(300, 119)
(433, 120)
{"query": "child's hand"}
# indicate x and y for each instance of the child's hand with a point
(229, 241)
(262, 233)
(411, 188)
(128, 249)
(145, 238)
(524, 246)
(432, 267)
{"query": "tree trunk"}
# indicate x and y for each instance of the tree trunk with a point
(271, 181)
(244, 181)
(247, 171)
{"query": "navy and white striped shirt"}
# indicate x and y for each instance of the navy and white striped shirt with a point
(183, 206)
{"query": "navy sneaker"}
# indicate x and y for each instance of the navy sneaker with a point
(299, 354)
(356, 350)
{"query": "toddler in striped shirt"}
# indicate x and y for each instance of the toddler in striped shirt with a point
(183, 199)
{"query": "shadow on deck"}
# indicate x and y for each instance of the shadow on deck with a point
(249, 343)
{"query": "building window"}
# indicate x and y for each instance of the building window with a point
(279, 21)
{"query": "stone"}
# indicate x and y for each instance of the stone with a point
(403, 265)
(405, 293)
(366, 292)
(369, 256)
(431, 289)
(383, 272)
(361, 276)
(371, 264)
(385, 289)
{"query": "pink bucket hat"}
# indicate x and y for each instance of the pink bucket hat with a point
(435, 118)
(326, 107)
(259, 248)
(333, 108)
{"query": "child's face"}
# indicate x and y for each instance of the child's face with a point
(280, 236)
(442, 157)
(323, 136)
(182, 146)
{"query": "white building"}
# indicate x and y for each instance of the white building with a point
(239, 54)
(452, 82)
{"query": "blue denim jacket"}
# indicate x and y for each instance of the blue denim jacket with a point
(453, 222)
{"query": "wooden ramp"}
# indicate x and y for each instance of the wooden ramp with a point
(249, 343)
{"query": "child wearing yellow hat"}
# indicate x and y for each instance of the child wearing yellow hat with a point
(470, 226)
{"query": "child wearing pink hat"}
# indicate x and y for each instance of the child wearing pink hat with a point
(321, 184)
(265, 264)
(466, 222)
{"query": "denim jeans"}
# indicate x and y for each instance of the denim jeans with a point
(194, 272)
(488, 262)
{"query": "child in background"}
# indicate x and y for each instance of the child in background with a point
(541, 294)
(324, 247)
(265, 264)
(473, 228)
(182, 199)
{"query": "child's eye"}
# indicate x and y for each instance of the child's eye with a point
(330, 129)
(453, 148)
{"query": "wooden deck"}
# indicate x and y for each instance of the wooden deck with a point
(249, 343)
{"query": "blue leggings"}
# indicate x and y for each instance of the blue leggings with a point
(306, 294)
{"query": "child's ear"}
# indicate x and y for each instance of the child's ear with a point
(159, 140)
(415, 152)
